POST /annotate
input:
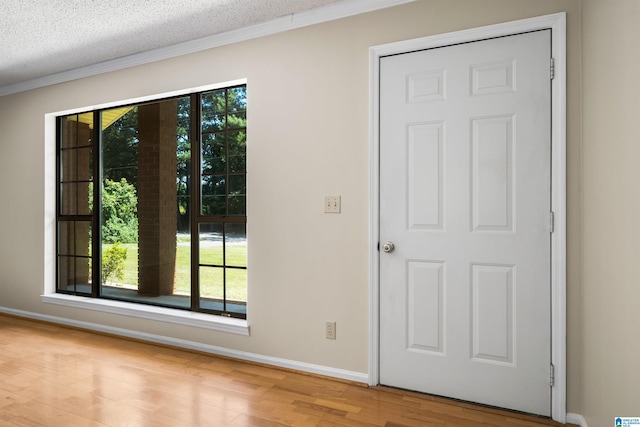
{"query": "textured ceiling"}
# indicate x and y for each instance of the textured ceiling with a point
(40, 38)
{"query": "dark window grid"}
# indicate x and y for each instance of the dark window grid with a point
(76, 166)
(198, 217)
(76, 256)
(75, 218)
(89, 145)
(226, 92)
(224, 261)
(222, 219)
(225, 131)
(73, 250)
(236, 173)
(76, 181)
(224, 269)
(223, 266)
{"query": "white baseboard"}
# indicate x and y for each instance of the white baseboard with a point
(576, 419)
(191, 345)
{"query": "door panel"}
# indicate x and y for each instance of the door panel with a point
(465, 198)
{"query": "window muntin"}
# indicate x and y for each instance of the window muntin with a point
(223, 260)
(75, 179)
(223, 152)
(168, 213)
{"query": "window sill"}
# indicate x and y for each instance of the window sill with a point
(160, 314)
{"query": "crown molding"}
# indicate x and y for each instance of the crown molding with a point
(319, 15)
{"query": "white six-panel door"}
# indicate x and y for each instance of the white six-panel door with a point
(465, 199)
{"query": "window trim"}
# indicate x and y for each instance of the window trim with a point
(132, 309)
(151, 312)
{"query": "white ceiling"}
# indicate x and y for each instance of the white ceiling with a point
(42, 38)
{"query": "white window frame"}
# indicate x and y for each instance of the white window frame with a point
(130, 309)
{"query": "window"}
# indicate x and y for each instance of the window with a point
(151, 203)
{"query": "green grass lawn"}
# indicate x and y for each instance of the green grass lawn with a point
(211, 278)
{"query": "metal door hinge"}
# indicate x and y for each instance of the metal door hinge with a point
(552, 222)
(553, 68)
(552, 375)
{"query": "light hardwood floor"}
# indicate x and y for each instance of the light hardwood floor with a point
(57, 376)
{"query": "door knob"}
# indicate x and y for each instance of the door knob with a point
(388, 247)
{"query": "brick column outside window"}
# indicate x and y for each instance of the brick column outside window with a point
(157, 198)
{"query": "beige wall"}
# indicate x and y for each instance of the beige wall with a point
(308, 137)
(611, 210)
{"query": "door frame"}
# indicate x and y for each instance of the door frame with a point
(557, 24)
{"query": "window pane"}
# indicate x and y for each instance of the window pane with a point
(183, 266)
(214, 102)
(211, 244)
(68, 132)
(85, 206)
(146, 242)
(183, 171)
(212, 288)
(237, 163)
(213, 185)
(76, 130)
(74, 238)
(184, 117)
(237, 99)
(214, 153)
(69, 171)
(119, 135)
(237, 185)
(236, 285)
(237, 120)
(213, 111)
(66, 271)
(68, 199)
(77, 165)
(85, 164)
(237, 151)
(214, 201)
(75, 198)
(213, 122)
(74, 274)
(214, 205)
(237, 205)
(237, 194)
(236, 245)
(66, 238)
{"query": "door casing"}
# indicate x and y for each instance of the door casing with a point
(557, 24)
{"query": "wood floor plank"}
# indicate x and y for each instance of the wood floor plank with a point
(53, 376)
